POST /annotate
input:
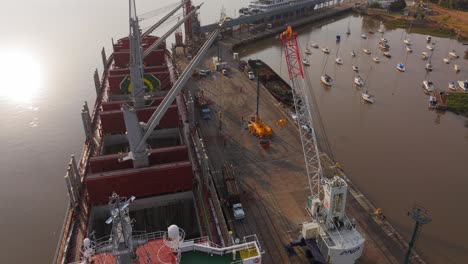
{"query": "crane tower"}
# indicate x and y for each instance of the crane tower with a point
(330, 236)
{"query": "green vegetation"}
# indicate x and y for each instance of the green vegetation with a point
(423, 29)
(458, 103)
(436, 32)
(375, 5)
(397, 6)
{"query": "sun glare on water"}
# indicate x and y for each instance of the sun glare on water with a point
(20, 76)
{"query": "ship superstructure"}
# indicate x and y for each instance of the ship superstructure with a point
(139, 144)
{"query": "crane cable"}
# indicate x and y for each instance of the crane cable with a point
(157, 12)
(165, 23)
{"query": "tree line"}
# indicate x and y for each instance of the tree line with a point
(452, 4)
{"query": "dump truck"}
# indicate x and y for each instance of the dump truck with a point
(233, 192)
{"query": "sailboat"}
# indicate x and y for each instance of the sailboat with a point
(432, 102)
(358, 81)
(428, 38)
(452, 86)
(463, 85)
(407, 41)
(381, 28)
(376, 59)
(424, 55)
(453, 54)
(305, 62)
(429, 66)
(353, 53)
(307, 51)
(401, 67)
(456, 67)
(446, 60)
(367, 97)
(383, 45)
(326, 50)
(409, 49)
(327, 80)
(428, 86)
(348, 32)
(338, 60)
(355, 68)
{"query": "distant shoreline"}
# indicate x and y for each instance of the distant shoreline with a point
(446, 23)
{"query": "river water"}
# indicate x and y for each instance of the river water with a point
(50, 49)
(397, 151)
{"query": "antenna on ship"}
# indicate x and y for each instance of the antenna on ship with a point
(123, 246)
(173, 238)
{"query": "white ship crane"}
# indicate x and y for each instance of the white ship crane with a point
(138, 133)
(331, 236)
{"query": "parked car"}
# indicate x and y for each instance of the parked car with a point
(238, 211)
(205, 72)
(251, 75)
(205, 113)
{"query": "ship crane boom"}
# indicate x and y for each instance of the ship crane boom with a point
(170, 31)
(304, 117)
(177, 87)
(136, 50)
(162, 20)
(137, 134)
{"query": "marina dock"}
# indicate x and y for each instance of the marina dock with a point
(273, 181)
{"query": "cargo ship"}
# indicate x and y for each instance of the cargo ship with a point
(141, 191)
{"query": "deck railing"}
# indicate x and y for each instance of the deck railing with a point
(66, 233)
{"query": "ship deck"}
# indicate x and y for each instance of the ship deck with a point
(273, 181)
(155, 252)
